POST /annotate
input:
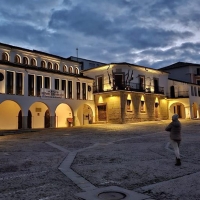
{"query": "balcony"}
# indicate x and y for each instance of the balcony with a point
(179, 94)
(130, 87)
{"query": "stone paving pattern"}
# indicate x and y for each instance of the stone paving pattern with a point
(132, 156)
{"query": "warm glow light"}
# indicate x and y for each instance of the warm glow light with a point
(129, 97)
(142, 98)
(156, 101)
(100, 99)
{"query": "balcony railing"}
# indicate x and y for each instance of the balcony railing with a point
(130, 87)
(179, 94)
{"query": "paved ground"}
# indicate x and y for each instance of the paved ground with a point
(135, 157)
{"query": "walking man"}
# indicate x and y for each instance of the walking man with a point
(175, 136)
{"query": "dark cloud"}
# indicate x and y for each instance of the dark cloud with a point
(150, 33)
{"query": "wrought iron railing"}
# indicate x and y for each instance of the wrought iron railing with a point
(129, 87)
(179, 94)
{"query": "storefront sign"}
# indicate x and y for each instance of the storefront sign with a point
(48, 93)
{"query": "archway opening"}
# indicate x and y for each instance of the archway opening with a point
(10, 116)
(38, 116)
(64, 116)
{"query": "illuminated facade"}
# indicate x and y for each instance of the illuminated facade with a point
(183, 90)
(125, 92)
(40, 90)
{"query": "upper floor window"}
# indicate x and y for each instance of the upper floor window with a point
(198, 82)
(17, 59)
(76, 70)
(25, 60)
(49, 65)
(43, 64)
(47, 82)
(192, 91)
(198, 71)
(56, 66)
(64, 68)
(5, 56)
(70, 70)
(33, 62)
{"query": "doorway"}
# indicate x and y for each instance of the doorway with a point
(101, 112)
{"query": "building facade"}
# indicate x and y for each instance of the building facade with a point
(40, 90)
(183, 90)
(125, 93)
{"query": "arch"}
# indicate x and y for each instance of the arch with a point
(49, 65)
(56, 66)
(76, 70)
(38, 110)
(9, 115)
(17, 59)
(64, 68)
(63, 114)
(85, 115)
(5, 56)
(177, 108)
(25, 60)
(70, 69)
(33, 62)
(43, 64)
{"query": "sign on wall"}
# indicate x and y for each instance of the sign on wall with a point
(49, 93)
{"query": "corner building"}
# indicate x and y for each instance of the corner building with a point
(41, 90)
(126, 93)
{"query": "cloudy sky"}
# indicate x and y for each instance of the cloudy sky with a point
(152, 33)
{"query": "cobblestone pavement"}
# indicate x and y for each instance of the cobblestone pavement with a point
(132, 156)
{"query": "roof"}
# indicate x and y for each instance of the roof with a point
(43, 69)
(36, 51)
(178, 65)
(125, 63)
(86, 60)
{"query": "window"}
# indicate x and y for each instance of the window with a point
(195, 91)
(199, 92)
(5, 56)
(47, 82)
(84, 91)
(64, 86)
(19, 83)
(64, 68)
(76, 70)
(10, 76)
(128, 105)
(156, 85)
(192, 91)
(25, 60)
(56, 66)
(142, 108)
(43, 64)
(70, 89)
(78, 90)
(17, 59)
(141, 83)
(39, 85)
(198, 71)
(198, 82)
(70, 70)
(56, 84)
(31, 85)
(49, 65)
(33, 62)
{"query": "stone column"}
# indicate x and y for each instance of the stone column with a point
(24, 122)
(52, 122)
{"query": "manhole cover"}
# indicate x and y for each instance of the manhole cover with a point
(111, 196)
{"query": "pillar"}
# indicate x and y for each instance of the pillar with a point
(24, 122)
(52, 122)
